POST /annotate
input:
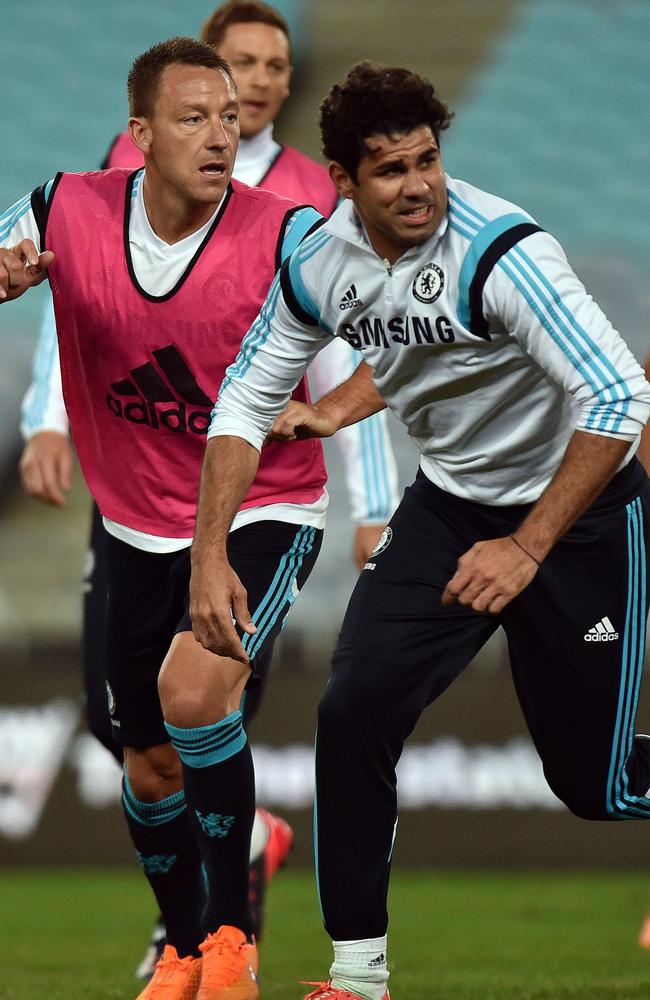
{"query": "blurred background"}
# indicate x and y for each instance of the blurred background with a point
(552, 105)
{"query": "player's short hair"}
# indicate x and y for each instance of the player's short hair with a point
(241, 12)
(147, 69)
(377, 100)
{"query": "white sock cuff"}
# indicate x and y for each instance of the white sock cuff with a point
(361, 946)
(360, 967)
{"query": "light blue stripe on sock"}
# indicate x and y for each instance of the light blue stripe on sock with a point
(151, 813)
(208, 745)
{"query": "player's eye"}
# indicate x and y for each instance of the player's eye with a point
(192, 119)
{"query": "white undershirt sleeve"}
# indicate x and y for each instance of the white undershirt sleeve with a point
(43, 408)
(366, 448)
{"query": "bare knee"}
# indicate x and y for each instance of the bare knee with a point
(154, 773)
(196, 687)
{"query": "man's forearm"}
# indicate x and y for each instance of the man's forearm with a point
(229, 468)
(589, 463)
(353, 400)
(218, 601)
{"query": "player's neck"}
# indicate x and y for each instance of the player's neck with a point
(171, 216)
(253, 146)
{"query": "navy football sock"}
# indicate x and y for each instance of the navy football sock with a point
(220, 790)
(166, 846)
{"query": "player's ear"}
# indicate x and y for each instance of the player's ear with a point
(341, 180)
(141, 133)
(287, 90)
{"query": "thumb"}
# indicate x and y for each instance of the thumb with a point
(242, 615)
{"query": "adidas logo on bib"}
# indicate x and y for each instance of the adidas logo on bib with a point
(603, 631)
(165, 397)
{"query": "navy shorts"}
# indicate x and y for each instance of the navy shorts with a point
(148, 603)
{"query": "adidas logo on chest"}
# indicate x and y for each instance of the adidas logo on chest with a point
(350, 300)
(155, 388)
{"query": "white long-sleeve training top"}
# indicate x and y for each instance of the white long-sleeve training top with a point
(482, 340)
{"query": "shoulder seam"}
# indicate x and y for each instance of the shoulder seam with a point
(291, 299)
(41, 207)
(490, 257)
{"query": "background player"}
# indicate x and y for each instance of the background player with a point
(529, 507)
(254, 39)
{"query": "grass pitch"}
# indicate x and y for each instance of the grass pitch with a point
(77, 935)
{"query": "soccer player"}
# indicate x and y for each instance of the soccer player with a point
(151, 301)
(529, 510)
(254, 39)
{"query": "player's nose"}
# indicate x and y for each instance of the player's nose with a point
(414, 184)
(217, 137)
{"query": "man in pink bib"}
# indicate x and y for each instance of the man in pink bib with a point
(254, 39)
(155, 276)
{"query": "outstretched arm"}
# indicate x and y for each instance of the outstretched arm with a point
(367, 453)
(353, 400)
(271, 361)
(217, 597)
(47, 461)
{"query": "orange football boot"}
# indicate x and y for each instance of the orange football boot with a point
(325, 991)
(644, 933)
(174, 978)
(229, 970)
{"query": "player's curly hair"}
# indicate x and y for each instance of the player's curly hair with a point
(146, 71)
(377, 100)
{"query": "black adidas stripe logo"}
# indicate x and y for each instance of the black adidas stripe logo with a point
(150, 384)
(179, 386)
(350, 300)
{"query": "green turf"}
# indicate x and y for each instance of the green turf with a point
(74, 935)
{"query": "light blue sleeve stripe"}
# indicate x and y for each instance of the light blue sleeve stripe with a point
(468, 208)
(573, 350)
(378, 433)
(19, 205)
(545, 320)
(365, 451)
(596, 353)
(459, 229)
(13, 217)
(368, 477)
(253, 340)
(483, 239)
(299, 225)
(593, 358)
(46, 357)
(312, 245)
